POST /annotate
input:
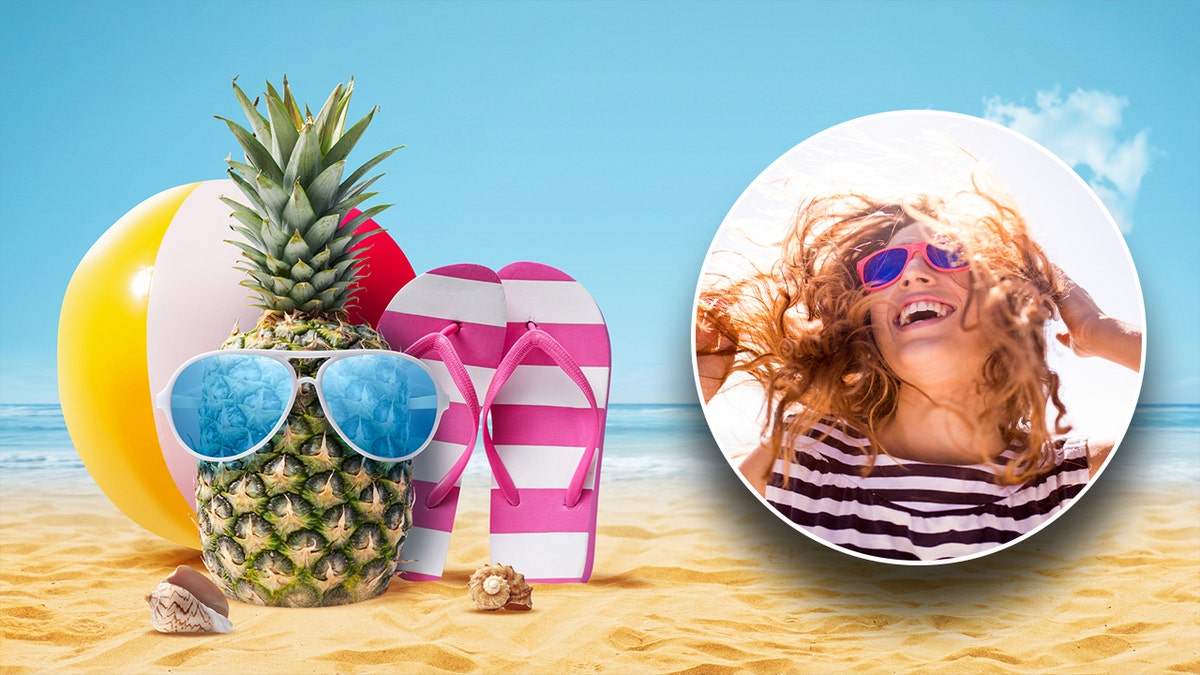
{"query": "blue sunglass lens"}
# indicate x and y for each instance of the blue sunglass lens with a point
(946, 258)
(884, 267)
(384, 404)
(227, 404)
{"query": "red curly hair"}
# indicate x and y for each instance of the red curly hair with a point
(802, 328)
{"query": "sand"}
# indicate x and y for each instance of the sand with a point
(691, 577)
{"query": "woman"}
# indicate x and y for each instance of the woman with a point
(911, 413)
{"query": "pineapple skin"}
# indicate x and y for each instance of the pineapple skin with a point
(306, 521)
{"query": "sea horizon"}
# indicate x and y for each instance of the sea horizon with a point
(641, 441)
(654, 441)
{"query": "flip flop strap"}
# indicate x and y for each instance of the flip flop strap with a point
(536, 338)
(441, 344)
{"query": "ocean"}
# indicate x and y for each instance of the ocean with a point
(642, 442)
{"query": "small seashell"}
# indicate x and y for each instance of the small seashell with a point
(202, 587)
(494, 586)
(176, 607)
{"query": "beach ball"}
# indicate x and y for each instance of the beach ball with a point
(156, 289)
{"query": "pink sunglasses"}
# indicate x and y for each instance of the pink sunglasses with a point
(885, 267)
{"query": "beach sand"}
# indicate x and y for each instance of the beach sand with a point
(691, 577)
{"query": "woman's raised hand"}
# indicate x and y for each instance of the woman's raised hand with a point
(1091, 332)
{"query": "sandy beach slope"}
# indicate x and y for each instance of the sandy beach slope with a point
(690, 577)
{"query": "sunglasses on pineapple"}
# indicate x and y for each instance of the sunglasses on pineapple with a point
(226, 404)
(885, 266)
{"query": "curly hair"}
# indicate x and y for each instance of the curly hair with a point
(802, 329)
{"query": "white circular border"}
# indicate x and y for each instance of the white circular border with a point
(1037, 179)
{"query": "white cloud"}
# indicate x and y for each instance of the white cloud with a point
(1084, 130)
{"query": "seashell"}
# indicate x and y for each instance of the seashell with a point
(176, 605)
(494, 586)
(205, 590)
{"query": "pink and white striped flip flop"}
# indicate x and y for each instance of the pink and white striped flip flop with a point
(453, 319)
(547, 409)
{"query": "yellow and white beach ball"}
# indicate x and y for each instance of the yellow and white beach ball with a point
(159, 287)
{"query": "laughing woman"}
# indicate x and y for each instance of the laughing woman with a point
(902, 344)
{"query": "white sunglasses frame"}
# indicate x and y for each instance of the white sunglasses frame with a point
(162, 400)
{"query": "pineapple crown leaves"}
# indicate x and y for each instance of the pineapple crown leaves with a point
(298, 254)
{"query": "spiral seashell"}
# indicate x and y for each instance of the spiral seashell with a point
(494, 586)
(176, 605)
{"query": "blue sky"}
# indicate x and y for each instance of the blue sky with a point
(608, 139)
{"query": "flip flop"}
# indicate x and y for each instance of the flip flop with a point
(547, 408)
(453, 319)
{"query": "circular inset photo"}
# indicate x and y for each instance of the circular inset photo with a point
(918, 337)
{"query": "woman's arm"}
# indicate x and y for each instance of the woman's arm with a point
(1098, 451)
(713, 361)
(713, 368)
(1091, 332)
(757, 467)
(714, 354)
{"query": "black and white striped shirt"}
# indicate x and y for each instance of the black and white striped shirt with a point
(909, 510)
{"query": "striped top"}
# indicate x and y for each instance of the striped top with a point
(909, 510)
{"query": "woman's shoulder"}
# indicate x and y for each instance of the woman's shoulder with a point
(826, 446)
(830, 439)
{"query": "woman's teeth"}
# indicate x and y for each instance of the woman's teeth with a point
(923, 310)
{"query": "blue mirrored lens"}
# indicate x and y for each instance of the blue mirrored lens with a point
(946, 258)
(226, 404)
(886, 266)
(384, 404)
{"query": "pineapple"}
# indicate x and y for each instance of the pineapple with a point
(305, 521)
